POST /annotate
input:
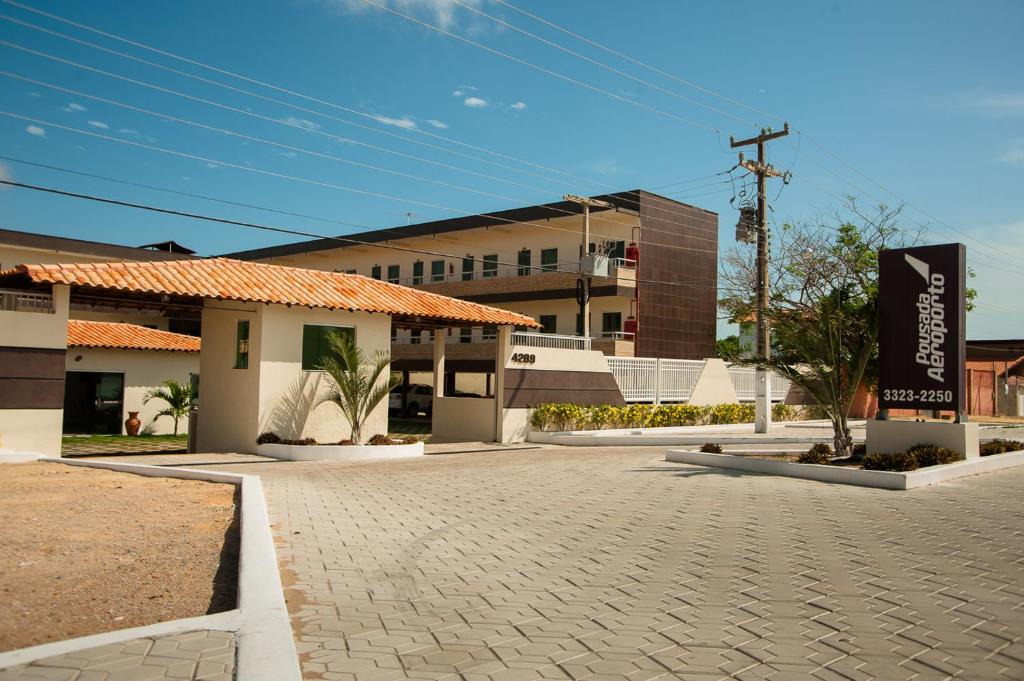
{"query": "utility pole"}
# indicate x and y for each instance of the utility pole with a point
(762, 387)
(583, 283)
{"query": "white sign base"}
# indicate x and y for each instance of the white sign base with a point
(898, 436)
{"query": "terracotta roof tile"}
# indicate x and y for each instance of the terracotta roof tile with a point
(225, 279)
(86, 334)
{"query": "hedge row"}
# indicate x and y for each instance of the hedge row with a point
(567, 416)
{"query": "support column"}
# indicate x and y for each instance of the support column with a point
(501, 356)
(440, 341)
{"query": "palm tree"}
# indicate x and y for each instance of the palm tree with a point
(178, 397)
(356, 385)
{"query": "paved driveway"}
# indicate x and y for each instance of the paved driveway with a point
(611, 564)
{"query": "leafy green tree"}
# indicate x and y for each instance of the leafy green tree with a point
(177, 396)
(823, 306)
(728, 348)
(356, 384)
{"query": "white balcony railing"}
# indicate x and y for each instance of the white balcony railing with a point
(24, 301)
(479, 273)
(550, 340)
(618, 335)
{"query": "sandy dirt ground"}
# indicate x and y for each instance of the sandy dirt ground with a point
(83, 551)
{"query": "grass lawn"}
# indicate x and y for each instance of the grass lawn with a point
(120, 444)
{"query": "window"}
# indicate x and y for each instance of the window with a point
(193, 384)
(548, 323)
(611, 323)
(490, 333)
(394, 273)
(524, 262)
(315, 344)
(549, 259)
(375, 271)
(417, 273)
(616, 249)
(491, 265)
(242, 344)
(467, 268)
(437, 270)
(465, 335)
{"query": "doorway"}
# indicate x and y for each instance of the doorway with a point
(93, 402)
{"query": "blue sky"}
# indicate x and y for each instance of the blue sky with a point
(927, 99)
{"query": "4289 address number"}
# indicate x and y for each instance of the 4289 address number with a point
(904, 395)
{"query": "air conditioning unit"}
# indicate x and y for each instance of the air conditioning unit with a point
(594, 265)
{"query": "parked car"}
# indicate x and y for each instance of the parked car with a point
(420, 398)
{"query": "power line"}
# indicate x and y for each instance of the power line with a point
(601, 64)
(284, 230)
(310, 181)
(633, 60)
(280, 122)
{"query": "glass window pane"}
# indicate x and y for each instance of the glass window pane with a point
(316, 344)
(467, 268)
(525, 256)
(417, 272)
(437, 270)
(394, 273)
(491, 265)
(242, 344)
(375, 271)
(549, 259)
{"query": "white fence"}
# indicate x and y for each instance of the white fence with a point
(743, 384)
(550, 340)
(643, 379)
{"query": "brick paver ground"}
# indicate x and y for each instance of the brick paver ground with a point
(195, 656)
(611, 565)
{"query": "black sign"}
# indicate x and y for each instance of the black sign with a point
(922, 294)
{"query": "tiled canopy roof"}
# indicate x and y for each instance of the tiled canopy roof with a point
(86, 334)
(998, 365)
(225, 279)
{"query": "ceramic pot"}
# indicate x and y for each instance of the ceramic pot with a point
(132, 423)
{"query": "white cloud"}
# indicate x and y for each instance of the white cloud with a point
(35, 95)
(442, 13)
(607, 167)
(75, 106)
(405, 122)
(458, 93)
(36, 131)
(212, 165)
(518, 106)
(99, 124)
(1014, 155)
(475, 102)
(136, 135)
(301, 123)
(186, 178)
(440, 125)
(997, 104)
(288, 154)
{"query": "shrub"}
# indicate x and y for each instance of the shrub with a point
(268, 438)
(305, 442)
(896, 461)
(711, 448)
(564, 416)
(784, 412)
(409, 440)
(819, 453)
(1000, 447)
(930, 455)
(378, 440)
(859, 451)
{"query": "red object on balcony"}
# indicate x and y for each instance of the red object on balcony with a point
(633, 253)
(629, 327)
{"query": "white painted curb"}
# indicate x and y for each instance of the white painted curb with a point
(850, 476)
(339, 452)
(265, 649)
(648, 437)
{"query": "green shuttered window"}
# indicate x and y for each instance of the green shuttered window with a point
(315, 346)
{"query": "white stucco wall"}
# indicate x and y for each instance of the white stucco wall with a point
(228, 397)
(714, 385)
(463, 419)
(274, 393)
(34, 430)
(288, 395)
(143, 370)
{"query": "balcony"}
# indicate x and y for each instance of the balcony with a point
(525, 281)
(24, 301)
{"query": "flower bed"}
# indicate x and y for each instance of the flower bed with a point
(307, 449)
(567, 416)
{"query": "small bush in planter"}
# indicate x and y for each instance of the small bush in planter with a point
(409, 440)
(1000, 447)
(268, 438)
(711, 448)
(859, 451)
(930, 455)
(819, 453)
(380, 440)
(302, 442)
(896, 461)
